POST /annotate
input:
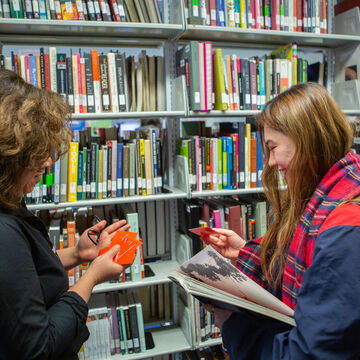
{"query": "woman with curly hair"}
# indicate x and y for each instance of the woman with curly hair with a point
(41, 318)
(309, 256)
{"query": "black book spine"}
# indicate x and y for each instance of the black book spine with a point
(246, 84)
(120, 77)
(109, 169)
(93, 171)
(88, 173)
(192, 144)
(130, 343)
(104, 82)
(89, 84)
(134, 328)
(61, 74)
(69, 83)
(42, 68)
(203, 162)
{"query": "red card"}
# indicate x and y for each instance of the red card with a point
(203, 232)
(128, 245)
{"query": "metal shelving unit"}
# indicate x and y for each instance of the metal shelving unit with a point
(172, 193)
(166, 341)
(253, 37)
(160, 268)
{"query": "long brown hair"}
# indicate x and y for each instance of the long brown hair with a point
(33, 127)
(322, 135)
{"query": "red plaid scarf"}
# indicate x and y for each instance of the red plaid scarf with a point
(342, 182)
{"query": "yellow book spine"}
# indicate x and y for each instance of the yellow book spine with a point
(73, 170)
(142, 165)
(229, 76)
(219, 82)
(242, 14)
(38, 71)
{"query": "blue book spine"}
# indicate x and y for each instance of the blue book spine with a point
(119, 170)
(80, 176)
(153, 145)
(57, 182)
(262, 83)
(229, 161)
(259, 160)
(220, 13)
(241, 133)
(33, 70)
(42, 9)
(224, 160)
(237, 13)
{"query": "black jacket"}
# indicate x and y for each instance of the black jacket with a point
(39, 318)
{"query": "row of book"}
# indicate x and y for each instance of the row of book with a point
(244, 215)
(229, 82)
(105, 167)
(147, 219)
(288, 15)
(93, 82)
(150, 11)
(117, 329)
(231, 159)
(203, 321)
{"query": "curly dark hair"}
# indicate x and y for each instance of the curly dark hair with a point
(34, 125)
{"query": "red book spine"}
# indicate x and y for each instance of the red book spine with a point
(300, 19)
(47, 72)
(114, 10)
(212, 12)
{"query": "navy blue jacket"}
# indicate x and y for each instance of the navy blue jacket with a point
(327, 314)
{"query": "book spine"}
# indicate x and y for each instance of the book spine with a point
(104, 82)
(72, 172)
(119, 171)
(79, 190)
(96, 80)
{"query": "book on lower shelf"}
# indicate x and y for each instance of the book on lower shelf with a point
(212, 279)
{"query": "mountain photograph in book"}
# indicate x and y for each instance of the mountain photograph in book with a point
(212, 279)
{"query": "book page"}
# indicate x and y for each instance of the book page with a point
(213, 269)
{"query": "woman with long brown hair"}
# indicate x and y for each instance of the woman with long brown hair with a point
(309, 256)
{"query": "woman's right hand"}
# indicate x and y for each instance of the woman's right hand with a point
(103, 268)
(226, 242)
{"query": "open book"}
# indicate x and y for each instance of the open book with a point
(212, 279)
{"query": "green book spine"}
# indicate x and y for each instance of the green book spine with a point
(16, 9)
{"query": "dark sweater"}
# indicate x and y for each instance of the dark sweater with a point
(39, 318)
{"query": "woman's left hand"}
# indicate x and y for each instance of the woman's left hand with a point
(86, 250)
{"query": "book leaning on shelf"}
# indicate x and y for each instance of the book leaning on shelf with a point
(146, 11)
(212, 279)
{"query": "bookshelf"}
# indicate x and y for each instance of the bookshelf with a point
(169, 36)
(174, 193)
(160, 269)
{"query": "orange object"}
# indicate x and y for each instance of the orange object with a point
(128, 246)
